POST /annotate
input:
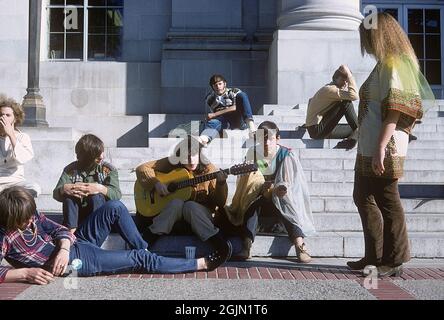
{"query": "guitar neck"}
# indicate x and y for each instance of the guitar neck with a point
(200, 179)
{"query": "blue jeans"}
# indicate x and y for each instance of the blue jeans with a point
(93, 232)
(231, 120)
(74, 213)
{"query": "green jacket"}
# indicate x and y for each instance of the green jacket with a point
(104, 173)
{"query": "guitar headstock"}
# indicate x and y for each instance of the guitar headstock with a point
(243, 168)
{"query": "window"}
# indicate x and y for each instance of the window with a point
(85, 29)
(424, 31)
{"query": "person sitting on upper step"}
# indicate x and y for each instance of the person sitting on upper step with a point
(230, 109)
(276, 195)
(15, 146)
(86, 184)
(329, 105)
(38, 249)
(198, 210)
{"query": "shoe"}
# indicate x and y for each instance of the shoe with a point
(412, 137)
(245, 253)
(346, 144)
(302, 253)
(358, 265)
(218, 257)
(388, 271)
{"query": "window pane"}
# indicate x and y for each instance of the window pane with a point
(433, 21)
(113, 47)
(75, 2)
(56, 46)
(96, 3)
(74, 20)
(57, 2)
(114, 21)
(115, 3)
(416, 21)
(433, 47)
(97, 21)
(56, 18)
(433, 72)
(96, 47)
(418, 44)
(74, 46)
(391, 11)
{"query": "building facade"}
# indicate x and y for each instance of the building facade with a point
(123, 59)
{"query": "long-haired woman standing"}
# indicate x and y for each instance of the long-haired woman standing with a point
(391, 100)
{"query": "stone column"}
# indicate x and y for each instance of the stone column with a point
(314, 38)
(319, 15)
(33, 105)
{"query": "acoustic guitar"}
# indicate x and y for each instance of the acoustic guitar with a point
(180, 184)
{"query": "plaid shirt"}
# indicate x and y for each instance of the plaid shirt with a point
(20, 249)
(218, 103)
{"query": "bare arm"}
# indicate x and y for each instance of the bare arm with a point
(387, 130)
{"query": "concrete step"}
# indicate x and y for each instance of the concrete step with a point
(339, 222)
(323, 244)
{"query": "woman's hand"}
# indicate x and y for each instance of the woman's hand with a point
(378, 161)
(7, 126)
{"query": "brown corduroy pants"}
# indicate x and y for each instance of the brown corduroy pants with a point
(383, 220)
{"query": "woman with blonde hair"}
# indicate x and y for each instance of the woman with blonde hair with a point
(391, 100)
(15, 147)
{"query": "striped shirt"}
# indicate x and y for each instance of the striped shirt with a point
(29, 249)
(218, 103)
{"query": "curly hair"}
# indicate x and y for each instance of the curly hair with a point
(387, 40)
(19, 114)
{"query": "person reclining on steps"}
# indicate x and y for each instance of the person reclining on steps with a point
(38, 249)
(197, 212)
(230, 109)
(329, 105)
(86, 184)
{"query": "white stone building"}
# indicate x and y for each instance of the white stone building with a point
(134, 57)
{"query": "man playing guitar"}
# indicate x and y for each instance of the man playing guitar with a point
(198, 210)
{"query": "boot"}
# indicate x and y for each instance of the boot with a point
(245, 253)
(302, 253)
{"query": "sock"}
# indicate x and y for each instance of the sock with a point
(251, 125)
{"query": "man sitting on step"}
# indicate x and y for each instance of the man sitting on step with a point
(277, 194)
(86, 184)
(329, 105)
(198, 211)
(230, 109)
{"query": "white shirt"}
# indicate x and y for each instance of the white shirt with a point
(13, 159)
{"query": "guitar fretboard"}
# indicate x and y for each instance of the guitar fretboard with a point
(200, 179)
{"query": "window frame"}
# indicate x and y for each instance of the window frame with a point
(85, 8)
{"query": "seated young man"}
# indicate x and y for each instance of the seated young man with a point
(16, 147)
(39, 249)
(86, 184)
(197, 211)
(230, 109)
(329, 105)
(281, 194)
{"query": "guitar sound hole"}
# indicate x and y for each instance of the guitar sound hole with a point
(172, 187)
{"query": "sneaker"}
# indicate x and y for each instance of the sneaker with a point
(388, 271)
(302, 253)
(218, 257)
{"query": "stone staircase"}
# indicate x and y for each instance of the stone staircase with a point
(328, 171)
